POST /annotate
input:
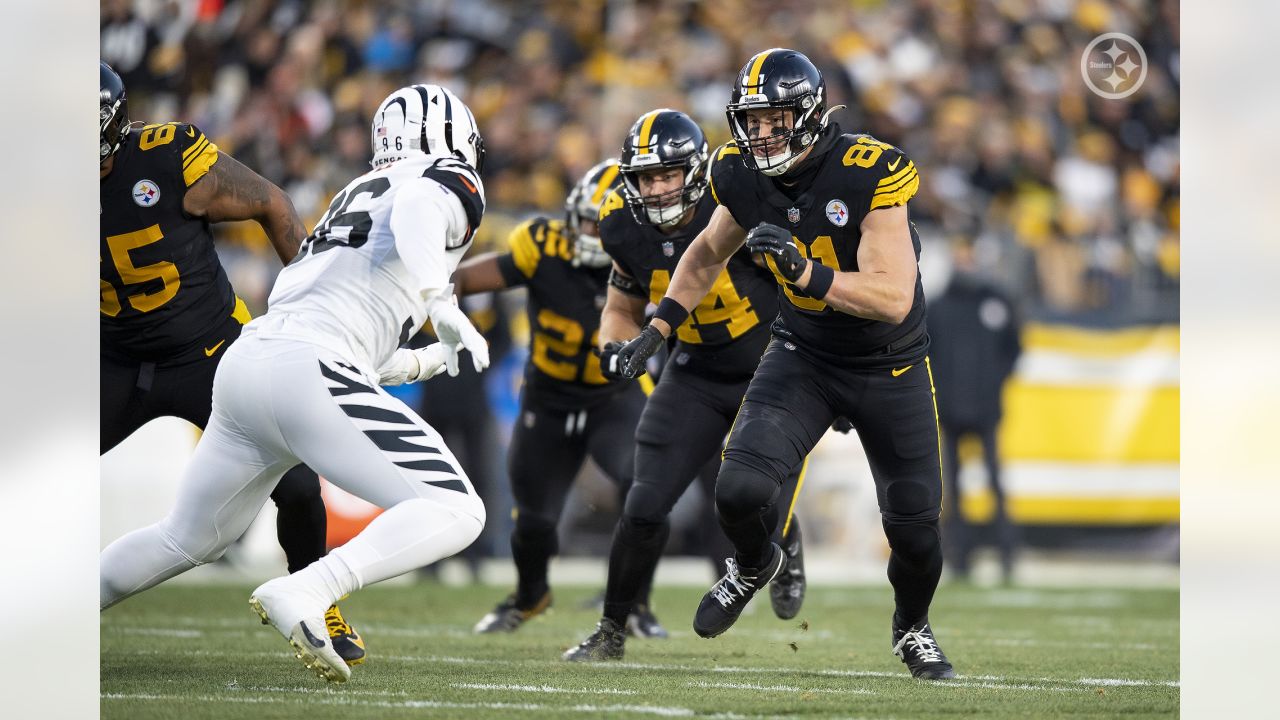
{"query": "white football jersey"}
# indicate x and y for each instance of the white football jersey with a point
(386, 247)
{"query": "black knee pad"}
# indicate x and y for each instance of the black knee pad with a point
(298, 486)
(743, 490)
(913, 541)
(532, 524)
(643, 532)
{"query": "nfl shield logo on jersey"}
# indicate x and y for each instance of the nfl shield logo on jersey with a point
(837, 213)
(793, 215)
(146, 193)
(668, 249)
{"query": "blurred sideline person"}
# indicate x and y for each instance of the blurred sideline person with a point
(568, 408)
(168, 313)
(646, 227)
(828, 213)
(976, 340)
(303, 384)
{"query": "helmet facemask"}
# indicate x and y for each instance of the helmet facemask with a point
(582, 210)
(666, 209)
(113, 114)
(807, 122)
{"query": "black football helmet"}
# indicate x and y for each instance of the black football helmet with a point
(584, 203)
(778, 78)
(113, 112)
(664, 139)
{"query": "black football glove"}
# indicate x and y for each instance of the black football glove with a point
(633, 356)
(842, 425)
(609, 364)
(775, 241)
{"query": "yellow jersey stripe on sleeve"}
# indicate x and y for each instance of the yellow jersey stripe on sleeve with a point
(895, 186)
(896, 177)
(524, 251)
(200, 162)
(195, 148)
(896, 197)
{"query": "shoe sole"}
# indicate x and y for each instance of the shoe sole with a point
(302, 650)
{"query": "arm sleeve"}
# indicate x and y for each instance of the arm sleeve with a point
(425, 218)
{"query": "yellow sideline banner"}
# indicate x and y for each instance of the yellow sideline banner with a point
(1091, 430)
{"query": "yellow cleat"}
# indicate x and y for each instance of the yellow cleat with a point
(346, 641)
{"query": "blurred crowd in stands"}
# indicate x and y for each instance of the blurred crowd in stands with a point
(1067, 199)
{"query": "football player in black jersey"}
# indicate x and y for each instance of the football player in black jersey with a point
(167, 309)
(646, 227)
(827, 211)
(568, 408)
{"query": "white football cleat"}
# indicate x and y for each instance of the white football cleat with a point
(281, 609)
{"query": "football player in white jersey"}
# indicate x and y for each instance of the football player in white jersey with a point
(302, 384)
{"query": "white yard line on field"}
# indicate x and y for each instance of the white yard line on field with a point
(1006, 682)
(338, 700)
(158, 632)
(544, 689)
(780, 688)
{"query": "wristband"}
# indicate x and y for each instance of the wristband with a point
(671, 312)
(820, 279)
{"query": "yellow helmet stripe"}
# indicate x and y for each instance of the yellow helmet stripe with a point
(753, 79)
(606, 179)
(645, 127)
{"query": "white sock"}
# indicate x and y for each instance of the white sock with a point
(406, 537)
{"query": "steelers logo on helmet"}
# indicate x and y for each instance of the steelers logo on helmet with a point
(582, 213)
(425, 119)
(662, 140)
(777, 109)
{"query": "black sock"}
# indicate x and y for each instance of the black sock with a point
(533, 544)
(637, 546)
(915, 565)
(300, 518)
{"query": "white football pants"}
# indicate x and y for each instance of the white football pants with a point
(277, 403)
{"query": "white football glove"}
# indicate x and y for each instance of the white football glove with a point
(456, 332)
(410, 366)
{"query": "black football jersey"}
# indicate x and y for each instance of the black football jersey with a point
(728, 330)
(164, 292)
(564, 307)
(856, 174)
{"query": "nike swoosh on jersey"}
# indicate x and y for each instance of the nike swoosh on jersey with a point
(896, 372)
(208, 352)
(191, 132)
(894, 165)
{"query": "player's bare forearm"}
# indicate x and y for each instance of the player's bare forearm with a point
(479, 274)
(884, 286)
(230, 191)
(620, 320)
(703, 262)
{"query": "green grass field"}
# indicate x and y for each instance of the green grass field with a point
(192, 652)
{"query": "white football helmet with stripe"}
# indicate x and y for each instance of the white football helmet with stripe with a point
(428, 119)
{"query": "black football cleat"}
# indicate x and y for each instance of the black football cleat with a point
(918, 649)
(506, 617)
(643, 623)
(726, 600)
(786, 592)
(606, 643)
